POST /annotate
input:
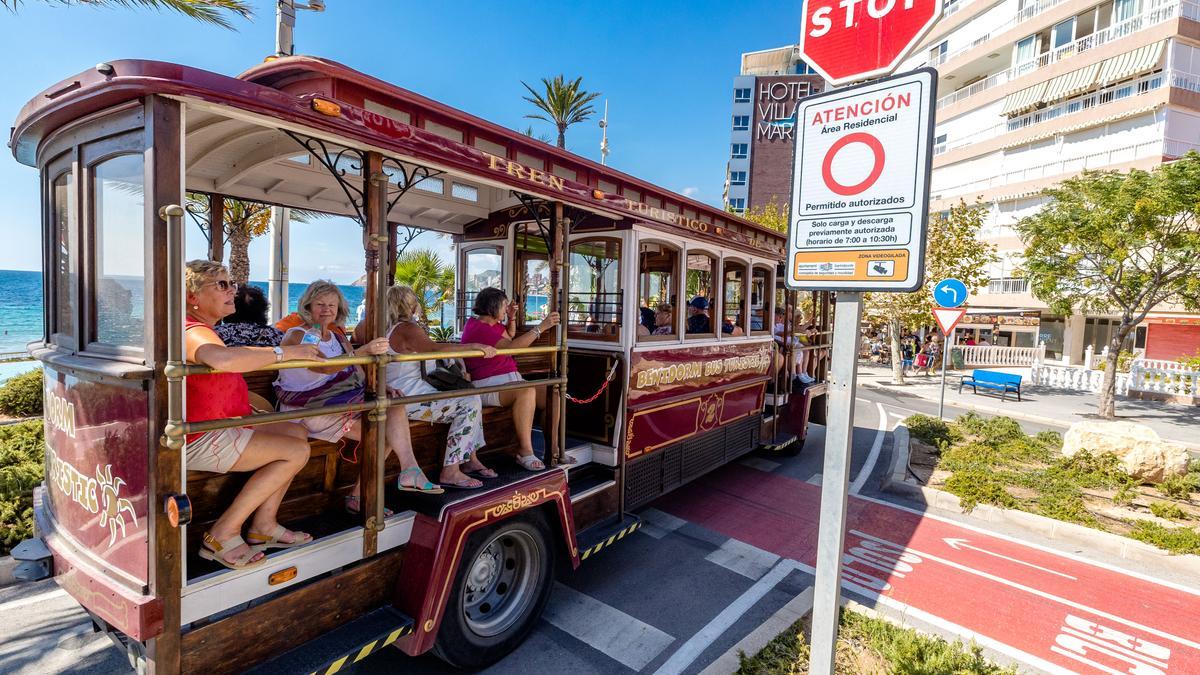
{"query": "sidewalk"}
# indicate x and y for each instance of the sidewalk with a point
(1053, 407)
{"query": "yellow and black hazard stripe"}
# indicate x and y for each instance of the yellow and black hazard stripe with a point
(365, 651)
(615, 536)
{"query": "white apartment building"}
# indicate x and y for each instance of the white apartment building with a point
(1034, 91)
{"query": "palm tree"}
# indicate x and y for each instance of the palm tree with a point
(429, 276)
(564, 103)
(242, 221)
(208, 11)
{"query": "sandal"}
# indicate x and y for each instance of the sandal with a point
(426, 488)
(530, 463)
(274, 540)
(211, 550)
(467, 483)
(567, 459)
(357, 508)
(481, 472)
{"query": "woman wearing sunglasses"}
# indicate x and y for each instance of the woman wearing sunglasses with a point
(273, 452)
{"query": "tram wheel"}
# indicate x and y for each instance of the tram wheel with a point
(499, 591)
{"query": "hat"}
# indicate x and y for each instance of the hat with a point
(699, 302)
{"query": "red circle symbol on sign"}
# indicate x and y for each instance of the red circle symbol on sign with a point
(877, 155)
(847, 40)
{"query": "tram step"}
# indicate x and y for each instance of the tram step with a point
(601, 536)
(344, 646)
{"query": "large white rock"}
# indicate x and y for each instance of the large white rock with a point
(1143, 454)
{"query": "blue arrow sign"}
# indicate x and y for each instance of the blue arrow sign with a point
(950, 293)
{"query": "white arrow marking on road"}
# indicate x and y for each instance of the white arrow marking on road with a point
(958, 544)
(1040, 593)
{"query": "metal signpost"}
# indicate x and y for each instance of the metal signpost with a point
(860, 196)
(947, 318)
(948, 294)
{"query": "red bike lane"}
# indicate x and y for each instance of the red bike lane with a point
(1061, 613)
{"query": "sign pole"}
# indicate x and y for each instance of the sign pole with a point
(835, 480)
(945, 353)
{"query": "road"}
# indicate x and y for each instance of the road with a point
(722, 554)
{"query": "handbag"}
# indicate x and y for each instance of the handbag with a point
(445, 376)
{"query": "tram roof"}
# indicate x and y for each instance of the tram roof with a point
(395, 120)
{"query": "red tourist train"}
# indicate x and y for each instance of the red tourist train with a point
(120, 147)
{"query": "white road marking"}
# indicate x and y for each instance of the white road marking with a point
(869, 466)
(605, 628)
(760, 463)
(659, 524)
(685, 655)
(1064, 554)
(31, 600)
(1043, 594)
(814, 479)
(898, 415)
(749, 561)
(958, 543)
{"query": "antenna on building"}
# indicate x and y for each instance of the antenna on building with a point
(604, 135)
(285, 23)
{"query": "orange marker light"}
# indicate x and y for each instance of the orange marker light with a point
(596, 194)
(282, 576)
(326, 107)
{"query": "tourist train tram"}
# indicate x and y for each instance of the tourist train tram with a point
(121, 146)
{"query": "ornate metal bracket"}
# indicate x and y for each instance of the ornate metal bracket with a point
(410, 178)
(403, 239)
(535, 208)
(320, 151)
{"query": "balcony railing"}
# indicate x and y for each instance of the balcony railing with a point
(1008, 286)
(1071, 106)
(1024, 14)
(1116, 31)
(1095, 160)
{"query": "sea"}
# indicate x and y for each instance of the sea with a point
(21, 312)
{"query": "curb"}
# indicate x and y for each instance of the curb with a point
(995, 410)
(796, 609)
(1086, 538)
(7, 565)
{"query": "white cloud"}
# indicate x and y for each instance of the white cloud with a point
(690, 191)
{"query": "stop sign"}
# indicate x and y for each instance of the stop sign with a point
(847, 40)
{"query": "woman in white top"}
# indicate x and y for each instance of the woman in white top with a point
(464, 414)
(323, 309)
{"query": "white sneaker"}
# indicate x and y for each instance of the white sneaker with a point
(806, 378)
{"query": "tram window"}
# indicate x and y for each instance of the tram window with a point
(733, 309)
(482, 268)
(66, 247)
(595, 289)
(701, 292)
(120, 276)
(658, 270)
(760, 283)
(533, 274)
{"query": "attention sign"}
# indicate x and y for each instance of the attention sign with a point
(860, 191)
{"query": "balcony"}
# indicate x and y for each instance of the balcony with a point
(1157, 15)
(1008, 286)
(1022, 15)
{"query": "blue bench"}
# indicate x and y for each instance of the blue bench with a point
(990, 379)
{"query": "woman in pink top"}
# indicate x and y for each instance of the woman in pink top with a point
(485, 328)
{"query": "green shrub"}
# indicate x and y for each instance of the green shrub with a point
(1180, 487)
(931, 430)
(971, 424)
(1052, 440)
(1173, 539)
(21, 469)
(1124, 495)
(1168, 510)
(1000, 429)
(974, 487)
(1084, 469)
(1124, 361)
(21, 395)
(1191, 362)
(1066, 504)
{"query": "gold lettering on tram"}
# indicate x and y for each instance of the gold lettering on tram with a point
(680, 372)
(524, 173)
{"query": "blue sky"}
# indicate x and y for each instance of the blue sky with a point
(664, 66)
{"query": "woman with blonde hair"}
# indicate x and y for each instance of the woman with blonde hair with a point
(322, 309)
(464, 414)
(273, 452)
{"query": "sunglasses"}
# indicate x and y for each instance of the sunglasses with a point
(223, 285)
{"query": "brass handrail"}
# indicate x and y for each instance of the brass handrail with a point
(176, 369)
(181, 429)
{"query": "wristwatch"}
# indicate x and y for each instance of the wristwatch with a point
(538, 331)
(278, 353)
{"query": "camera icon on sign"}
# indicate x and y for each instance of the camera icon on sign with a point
(881, 268)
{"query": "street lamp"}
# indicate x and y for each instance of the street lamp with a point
(285, 23)
(604, 135)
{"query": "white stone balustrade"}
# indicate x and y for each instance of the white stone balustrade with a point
(992, 355)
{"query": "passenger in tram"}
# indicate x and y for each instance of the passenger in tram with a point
(488, 327)
(698, 321)
(646, 321)
(248, 326)
(463, 414)
(322, 310)
(664, 319)
(274, 452)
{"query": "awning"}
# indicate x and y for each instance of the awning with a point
(1023, 100)
(1069, 84)
(1130, 63)
(1058, 131)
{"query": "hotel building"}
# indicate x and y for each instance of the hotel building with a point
(1033, 92)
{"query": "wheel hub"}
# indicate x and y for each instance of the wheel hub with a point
(484, 571)
(501, 583)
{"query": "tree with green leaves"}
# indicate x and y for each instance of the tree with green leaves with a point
(1117, 243)
(207, 11)
(771, 215)
(429, 276)
(241, 221)
(952, 250)
(562, 104)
